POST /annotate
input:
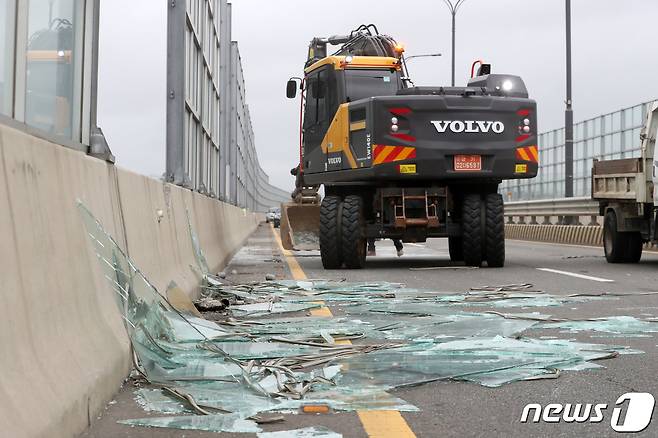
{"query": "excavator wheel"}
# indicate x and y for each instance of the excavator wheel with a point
(330, 232)
(495, 231)
(353, 233)
(472, 229)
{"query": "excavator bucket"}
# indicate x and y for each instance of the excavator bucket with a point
(300, 226)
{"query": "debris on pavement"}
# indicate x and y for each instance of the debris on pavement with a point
(210, 423)
(307, 432)
(616, 326)
(265, 355)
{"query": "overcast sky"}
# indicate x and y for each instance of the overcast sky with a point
(614, 61)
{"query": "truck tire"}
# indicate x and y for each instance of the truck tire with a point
(633, 247)
(472, 231)
(495, 231)
(353, 233)
(456, 249)
(330, 218)
(614, 242)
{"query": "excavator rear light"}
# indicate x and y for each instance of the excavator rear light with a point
(399, 111)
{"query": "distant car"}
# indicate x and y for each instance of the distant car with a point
(269, 216)
(277, 218)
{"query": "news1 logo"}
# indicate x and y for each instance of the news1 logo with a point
(638, 408)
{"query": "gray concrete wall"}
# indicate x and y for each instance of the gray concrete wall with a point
(63, 349)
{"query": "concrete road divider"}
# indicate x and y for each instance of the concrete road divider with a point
(63, 348)
(569, 234)
(590, 235)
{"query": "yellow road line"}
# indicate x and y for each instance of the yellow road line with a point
(296, 270)
(377, 424)
(385, 424)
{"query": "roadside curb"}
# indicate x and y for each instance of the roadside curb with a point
(589, 235)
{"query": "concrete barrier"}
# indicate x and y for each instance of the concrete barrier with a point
(63, 349)
(589, 235)
(569, 234)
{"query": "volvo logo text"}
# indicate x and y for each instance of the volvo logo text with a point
(457, 126)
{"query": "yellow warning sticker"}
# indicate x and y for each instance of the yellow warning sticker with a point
(521, 168)
(407, 168)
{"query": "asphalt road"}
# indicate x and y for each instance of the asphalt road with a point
(456, 409)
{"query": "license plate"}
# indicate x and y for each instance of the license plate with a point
(468, 163)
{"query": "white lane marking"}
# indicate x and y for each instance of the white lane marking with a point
(573, 274)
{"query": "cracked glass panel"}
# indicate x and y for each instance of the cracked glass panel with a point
(211, 423)
(615, 326)
(265, 355)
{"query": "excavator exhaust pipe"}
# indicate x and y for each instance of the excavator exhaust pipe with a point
(300, 226)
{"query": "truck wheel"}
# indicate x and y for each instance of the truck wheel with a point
(614, 243)
(456, 249)
(495, 231)
(330, 215)
(472, 231)
(634, 247)
(353, 233)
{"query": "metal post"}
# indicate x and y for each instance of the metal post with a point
(224, 98)
(92, 134)
(453, 6)
(568, 114)
(176, 172)
(454, 13)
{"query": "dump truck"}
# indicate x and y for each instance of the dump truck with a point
(400, 161)
(628, 197)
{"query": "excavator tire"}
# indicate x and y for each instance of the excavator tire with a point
(330, 232)
(495, 230)
(353, 233)
(472, 229)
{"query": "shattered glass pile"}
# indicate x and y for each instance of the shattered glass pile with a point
(269, 357)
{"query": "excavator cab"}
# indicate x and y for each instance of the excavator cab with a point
(367, 64)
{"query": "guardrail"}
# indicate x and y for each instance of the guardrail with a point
(565, 211)
(567, 218)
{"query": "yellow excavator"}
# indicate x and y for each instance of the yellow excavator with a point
(399, 161)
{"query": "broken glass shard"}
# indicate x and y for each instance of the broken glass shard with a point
(307, 432)
(210, 423)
